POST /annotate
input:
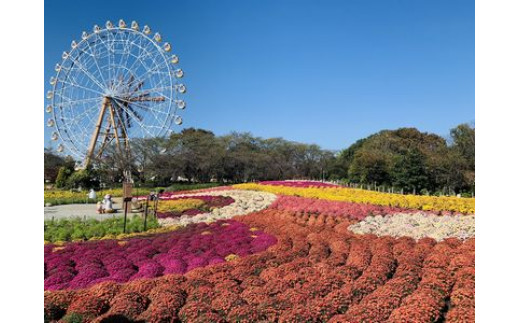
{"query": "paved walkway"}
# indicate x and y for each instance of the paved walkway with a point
(81, 210)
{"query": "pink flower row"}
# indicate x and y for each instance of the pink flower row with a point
(349, 210)
(298, 183)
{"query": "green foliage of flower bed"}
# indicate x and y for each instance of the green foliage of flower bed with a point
(80, 229)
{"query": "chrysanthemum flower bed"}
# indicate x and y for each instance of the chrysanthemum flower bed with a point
(344, 194)
(57, 197)
(281, 259)
(79, 265)
(355, 211)
(298, 183)
(318, 271)
(418, 225)
(244, 202)
(171, 207)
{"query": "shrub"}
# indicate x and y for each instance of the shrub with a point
(63, 175)
(78, 229)
(84, 178)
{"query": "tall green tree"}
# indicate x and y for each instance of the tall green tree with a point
(410, 171)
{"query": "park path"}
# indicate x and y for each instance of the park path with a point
(81, 211)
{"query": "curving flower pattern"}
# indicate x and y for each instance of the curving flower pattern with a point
(244, 202)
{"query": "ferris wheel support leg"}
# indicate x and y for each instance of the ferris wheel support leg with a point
(105, 141)
(115, 127)
(118, 125)
(95, 135)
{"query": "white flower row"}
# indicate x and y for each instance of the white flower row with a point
(418, 225)
(245, 202)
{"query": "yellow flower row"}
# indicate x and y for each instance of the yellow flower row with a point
(426, 203)
(122, 235)
(179, 205)
(63, 195)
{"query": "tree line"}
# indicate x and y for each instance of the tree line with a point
(405, 159)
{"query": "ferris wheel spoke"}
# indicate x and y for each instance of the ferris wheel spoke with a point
(81, 101)
(126, 53)
(155, 113)
(75, 85)
(139, 58)
(107, 44)
(87, 111)
(136, 119)
(149, 109)
(155, 70)
(152, 90)
(96, 62)
(102, 42)
(144, 52)
(74, 100)
(145, 107)
(112, 54)
(87, 73)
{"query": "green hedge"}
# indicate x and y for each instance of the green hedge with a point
(80, 229)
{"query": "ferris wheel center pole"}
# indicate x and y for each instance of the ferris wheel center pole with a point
(95, 135)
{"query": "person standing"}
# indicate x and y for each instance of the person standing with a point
(92, 194)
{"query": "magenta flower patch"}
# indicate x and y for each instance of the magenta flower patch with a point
(82, 264)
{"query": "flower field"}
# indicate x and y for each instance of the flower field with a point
(426, 203)
(276, 253)
(79, 265)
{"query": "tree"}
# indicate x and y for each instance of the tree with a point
(64, 172)
(463, 137)
(369, 167)
(411, 160)
(410, 172)
(51, 165)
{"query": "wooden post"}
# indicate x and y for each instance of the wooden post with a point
(146, 211)
(125, 203)
(146, 206)
(155, 204)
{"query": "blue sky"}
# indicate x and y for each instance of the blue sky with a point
(324, 72)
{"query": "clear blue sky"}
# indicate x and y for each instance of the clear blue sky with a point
(324, 72)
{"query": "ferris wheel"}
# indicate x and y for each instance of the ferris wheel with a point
(114, 84)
